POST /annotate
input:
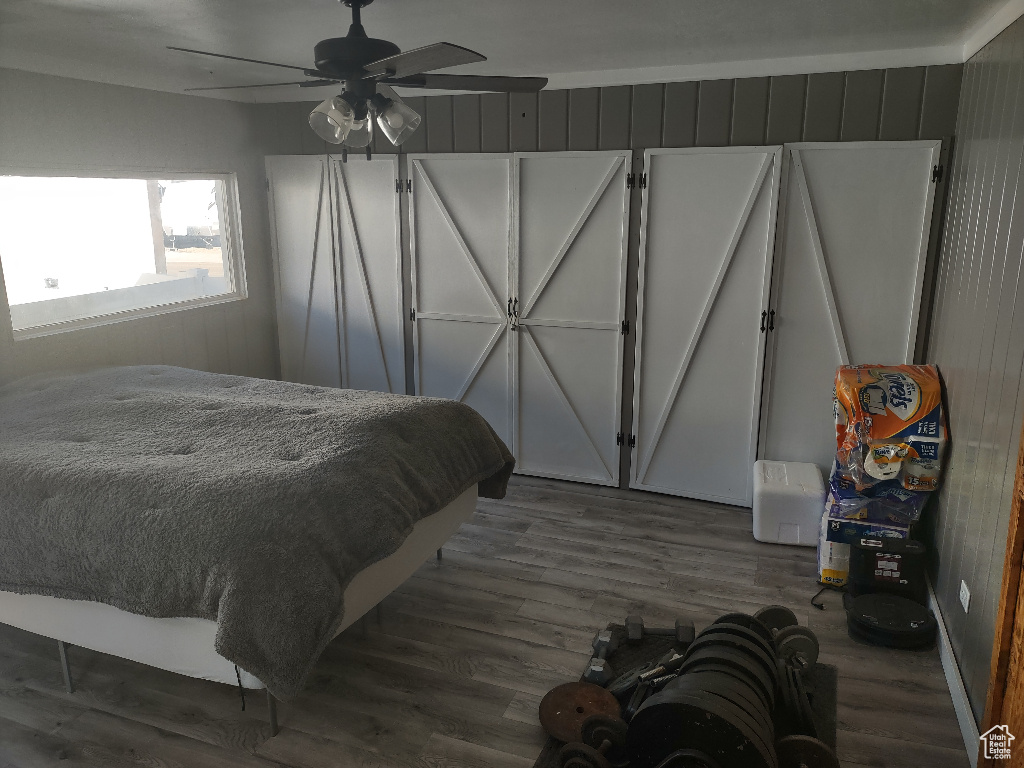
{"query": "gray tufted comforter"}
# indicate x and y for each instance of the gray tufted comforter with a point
(170, 492)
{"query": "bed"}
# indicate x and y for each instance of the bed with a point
(222, 527)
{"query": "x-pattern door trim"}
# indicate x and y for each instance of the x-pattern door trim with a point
(819, 258)
(499, 320)
(616, 168)
(571, 238)
(566, 402)
(705, 314)
(343, 194)
(312, 270)
(428, 184)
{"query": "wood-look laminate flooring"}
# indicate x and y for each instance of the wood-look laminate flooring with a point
(453, 674)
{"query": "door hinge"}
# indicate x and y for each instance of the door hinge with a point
(412, 314)
(619, 438)
(643, 181)
(937, 173)
(408, 186)
(630, 180)
(632, 441)
(625, 327)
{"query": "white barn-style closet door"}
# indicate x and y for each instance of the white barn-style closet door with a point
(707, 240)
(569, 243)
(337, 253)
(460, 210)
(851, 256)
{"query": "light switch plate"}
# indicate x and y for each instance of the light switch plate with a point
(965, 596)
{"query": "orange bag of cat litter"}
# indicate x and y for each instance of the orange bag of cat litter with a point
(890, 425)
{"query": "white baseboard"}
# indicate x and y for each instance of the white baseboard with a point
(961, 705)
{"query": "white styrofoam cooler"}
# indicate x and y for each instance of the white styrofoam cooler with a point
(789, 499)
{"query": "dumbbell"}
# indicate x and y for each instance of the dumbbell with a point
(683, 631)
(599, 671)
(603, 745)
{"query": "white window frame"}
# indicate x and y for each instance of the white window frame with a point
(229, 212)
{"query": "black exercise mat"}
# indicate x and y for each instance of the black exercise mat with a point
(822, 683)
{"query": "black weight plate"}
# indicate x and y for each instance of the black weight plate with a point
(688, 758)
(738, 660)
(618, 686)
(754, 714)
(742, 678)
(737, 691)
(744, 632)
(673, 720)
(764, 739)
(730, 640)
(776, 617)
(797, 751)
(750, 622)
(741, 663)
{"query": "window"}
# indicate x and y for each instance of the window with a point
(80, 251)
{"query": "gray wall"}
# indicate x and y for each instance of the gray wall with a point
(121, 128)
(977, 340)
(896, 104)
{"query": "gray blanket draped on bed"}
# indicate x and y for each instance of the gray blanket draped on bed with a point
(170, 492)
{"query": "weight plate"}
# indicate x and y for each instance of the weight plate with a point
(672, 720)
(750, 622)
(688, 758)
(564, 708)
(738, 660)
(744, 632)
(765, 740)
(804, 752)
(597, 729)
(797, 642)
(743, 678)
(776, 617)
(737, 691)
(732, 690)
(785, 713)
(576, 755)
(730, 640)
(625, 682)
(764, 729)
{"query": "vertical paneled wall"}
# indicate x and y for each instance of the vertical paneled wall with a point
(123, 129)
(977, 340)
(894, 104)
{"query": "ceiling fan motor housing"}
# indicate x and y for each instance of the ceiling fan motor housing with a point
(345, 57)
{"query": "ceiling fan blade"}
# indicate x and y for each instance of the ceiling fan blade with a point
(300, 83)
(471, 83)
(425, 59)
(236, 58)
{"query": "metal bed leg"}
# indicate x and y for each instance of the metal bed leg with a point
(439, 554)
(272, 708)
(65, 667)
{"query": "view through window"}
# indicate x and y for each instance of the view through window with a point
(75, 248)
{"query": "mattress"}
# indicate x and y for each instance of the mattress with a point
(186, 645)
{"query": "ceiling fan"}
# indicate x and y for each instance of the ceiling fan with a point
(367, 67)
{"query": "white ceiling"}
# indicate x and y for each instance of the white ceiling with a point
(573, 42)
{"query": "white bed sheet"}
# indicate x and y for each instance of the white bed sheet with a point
(185, 645)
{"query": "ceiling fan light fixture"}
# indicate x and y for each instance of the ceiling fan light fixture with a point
(397, 120)
(333, 119)
(361, 133)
